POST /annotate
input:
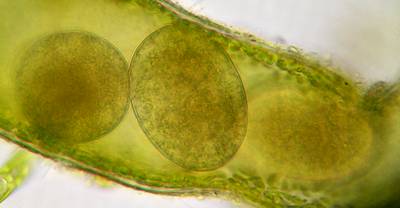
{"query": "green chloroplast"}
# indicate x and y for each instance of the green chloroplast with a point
(151, 96)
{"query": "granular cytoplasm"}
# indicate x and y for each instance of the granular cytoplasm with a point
(305, 135)
(73, 86)
(189, 98)
(202, 110)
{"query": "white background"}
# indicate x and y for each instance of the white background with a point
(362, 37)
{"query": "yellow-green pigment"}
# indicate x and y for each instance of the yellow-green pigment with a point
(73, 86)
(201, 111)
(188, 98)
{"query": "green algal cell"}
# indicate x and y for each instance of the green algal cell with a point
(188, 98)
(73, 86)
(214, 112)
(14, 172)
(310, 137)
